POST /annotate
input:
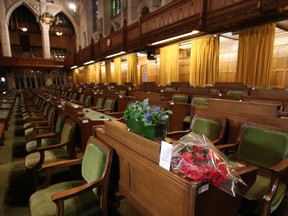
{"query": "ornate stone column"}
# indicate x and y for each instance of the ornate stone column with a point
(5, 39)
(45, 39)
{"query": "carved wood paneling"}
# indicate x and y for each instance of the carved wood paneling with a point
(230, 15)
(13, 62)
(85, 55)
(173, 13)
(273, 4)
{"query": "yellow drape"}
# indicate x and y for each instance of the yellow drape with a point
(169, 64)
(74, 75)
(117, 70)
(132, 69)
(204, 61)
(97, 72)
(255, 54)
(108, 71)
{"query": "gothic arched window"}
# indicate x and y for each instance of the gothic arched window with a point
(116, 7)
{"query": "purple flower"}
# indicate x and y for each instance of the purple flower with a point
(148, 117)
(156, 109)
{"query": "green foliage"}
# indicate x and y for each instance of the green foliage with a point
(150, 115)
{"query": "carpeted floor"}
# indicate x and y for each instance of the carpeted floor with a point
(16, 187)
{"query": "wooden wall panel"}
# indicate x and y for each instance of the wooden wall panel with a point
(173, 13)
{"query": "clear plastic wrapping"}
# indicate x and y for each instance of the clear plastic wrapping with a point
(195, 157)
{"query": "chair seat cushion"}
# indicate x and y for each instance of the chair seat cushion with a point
(26, 125)
(259, 189)
(44, 142)
(187, 119)
(50, 156)
(86, 204)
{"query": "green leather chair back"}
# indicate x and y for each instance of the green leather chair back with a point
(59, 123)
(51, 115)
(180, 98)
(236, 95)
(46, 109)
(200, 101)
(74, 96)
(94, 163)
(109, 104)
(273, 146)
(100, 102)
(67, 131)
(122, 92)
(81, 98)
(213, 129)
(88, 100)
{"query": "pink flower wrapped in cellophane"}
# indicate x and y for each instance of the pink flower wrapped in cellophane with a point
(195, 157)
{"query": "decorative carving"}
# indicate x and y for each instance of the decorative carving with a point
(230, 16)
(265, 2)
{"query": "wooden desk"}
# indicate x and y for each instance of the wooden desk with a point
(156, 191)
(4, 116)
(2, 137)
(85, 118)
(6, 106)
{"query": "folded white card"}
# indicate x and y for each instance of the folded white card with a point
(165, 155)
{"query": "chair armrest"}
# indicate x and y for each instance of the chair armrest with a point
(47, 135)
(40, 122)
(63, 195)
(280, 167)
(229, 146)
(53, 146)
(62, 163)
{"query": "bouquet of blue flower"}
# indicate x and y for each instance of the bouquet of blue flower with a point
(140, 116)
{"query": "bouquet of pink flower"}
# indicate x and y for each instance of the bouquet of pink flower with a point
(195, 157)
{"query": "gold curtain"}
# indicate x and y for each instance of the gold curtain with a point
(108, 71)
(97, 72)
(204, 61)
(74, 75)
(117, 70)
(255, 54)
(132, 68)
(169, 64)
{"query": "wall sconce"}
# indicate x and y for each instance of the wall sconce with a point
(24, 29)
(59, 33)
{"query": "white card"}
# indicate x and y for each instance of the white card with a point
(165, 155)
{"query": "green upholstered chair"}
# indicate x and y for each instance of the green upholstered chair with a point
(88, 100)
(170, 89)
(74, 96)
(109, 105)
(267, 149)
(46, 135)
(212, 128)
(82, 98)
(180, 98)
(122, 92)
(78, 197)
(49, 122)
(99, 103)
(236, 95)
(196, 101)
(62, 150)
(36, 117)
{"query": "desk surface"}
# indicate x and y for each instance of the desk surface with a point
(5, 106)
(93, 115)
(4, 114)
